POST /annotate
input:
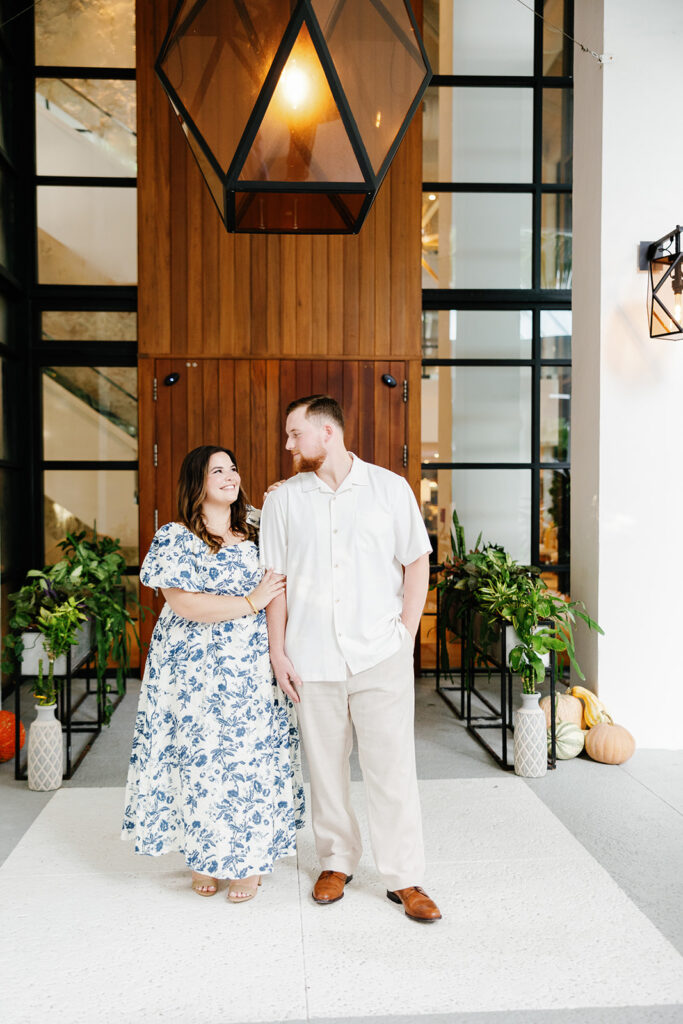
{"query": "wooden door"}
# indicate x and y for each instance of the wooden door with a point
(240, 404)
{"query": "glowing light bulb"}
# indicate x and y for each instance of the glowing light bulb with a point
(432, 197)
(295, 85)
(378, 119)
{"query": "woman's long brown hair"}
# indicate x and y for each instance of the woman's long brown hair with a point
(192, 491)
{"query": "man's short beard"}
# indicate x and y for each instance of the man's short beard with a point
(312, 465)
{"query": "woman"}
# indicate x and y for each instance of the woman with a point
(214, 772)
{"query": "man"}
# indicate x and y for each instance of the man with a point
(350, 540)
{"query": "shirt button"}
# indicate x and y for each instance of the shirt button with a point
(337, 601)
(334, 531)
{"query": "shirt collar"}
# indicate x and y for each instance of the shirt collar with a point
(358, 475)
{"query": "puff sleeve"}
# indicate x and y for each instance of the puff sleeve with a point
(172, 560)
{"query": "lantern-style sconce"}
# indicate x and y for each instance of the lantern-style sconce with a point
(294, 109)
(664, 261)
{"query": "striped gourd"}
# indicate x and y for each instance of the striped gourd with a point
(594, 710)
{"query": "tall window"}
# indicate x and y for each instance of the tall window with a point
(84, 300)
(496, 274)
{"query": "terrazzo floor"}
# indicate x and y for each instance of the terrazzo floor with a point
(561, 901)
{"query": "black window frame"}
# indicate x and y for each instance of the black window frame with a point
(535, 299)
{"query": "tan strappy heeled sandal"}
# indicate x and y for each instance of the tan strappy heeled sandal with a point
(246, 886)
(206, 882)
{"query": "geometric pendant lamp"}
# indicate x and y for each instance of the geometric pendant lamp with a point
(665, 285)
(293, 109)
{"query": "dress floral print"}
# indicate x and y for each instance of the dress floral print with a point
(214, 772)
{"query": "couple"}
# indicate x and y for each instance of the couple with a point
(214, 770)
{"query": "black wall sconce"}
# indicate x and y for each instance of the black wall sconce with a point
(294, 109)
(663, 260)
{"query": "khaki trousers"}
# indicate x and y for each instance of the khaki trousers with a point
(380, 704)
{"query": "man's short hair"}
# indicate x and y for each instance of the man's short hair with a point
(321, 406)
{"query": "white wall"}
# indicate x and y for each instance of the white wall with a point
(627, 488)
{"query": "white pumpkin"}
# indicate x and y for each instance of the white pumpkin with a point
(569, 740)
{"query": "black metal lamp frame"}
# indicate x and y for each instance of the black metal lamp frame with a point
(659, 254)
(303, 12)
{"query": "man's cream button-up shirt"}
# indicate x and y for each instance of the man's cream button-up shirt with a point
(343, 554)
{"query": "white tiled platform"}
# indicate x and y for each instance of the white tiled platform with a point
(531, 922)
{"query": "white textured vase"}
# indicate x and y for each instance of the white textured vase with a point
(531, 743)
(45, 750)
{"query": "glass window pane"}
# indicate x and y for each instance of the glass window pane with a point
(83, 325)
(430, 31)
(556, 241)
(476, 334)
(556, 396)
(476, 414)
(556, 334)
(495, 502)
(85, 127)
(90, 412)
(476, 240)
(557, 136)
(469, 37)
(554, 516)
(73, 224)
(558, 581)
(99, 33)
(478, 135)
(106, 499)
(557, 48)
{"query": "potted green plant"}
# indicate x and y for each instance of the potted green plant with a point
(78, 603)
(490, 588)
(99, 565)
(47, 621)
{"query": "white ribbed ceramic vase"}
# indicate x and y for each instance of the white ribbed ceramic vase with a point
(531, 743)
(45, 750)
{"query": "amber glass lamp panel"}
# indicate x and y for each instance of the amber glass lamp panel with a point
(665, 300)
(302, 136)
(379, 62)
(297, 211)
(217, 61)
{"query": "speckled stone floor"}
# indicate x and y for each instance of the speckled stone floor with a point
(561, 900)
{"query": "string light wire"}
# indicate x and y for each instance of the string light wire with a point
(19, 13)
(602, 58)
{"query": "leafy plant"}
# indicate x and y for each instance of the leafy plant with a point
(490, 585)
(89, 578)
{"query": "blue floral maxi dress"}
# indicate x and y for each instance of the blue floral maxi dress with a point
(214, 772)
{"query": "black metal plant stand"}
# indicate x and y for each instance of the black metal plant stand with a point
(82, 669)
(497, 717)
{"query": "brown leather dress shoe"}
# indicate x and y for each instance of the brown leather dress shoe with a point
(330, 886)
(416, 903)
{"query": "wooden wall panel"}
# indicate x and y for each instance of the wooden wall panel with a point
(252, 322)
(204, 292)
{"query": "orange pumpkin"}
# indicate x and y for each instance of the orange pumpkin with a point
(7, 731)
(609, 744)
(568, 709)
